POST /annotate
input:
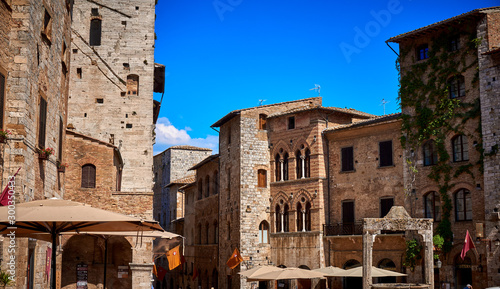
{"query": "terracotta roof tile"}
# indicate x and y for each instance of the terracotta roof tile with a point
(182, 181)
(378, 119)
(313, 107)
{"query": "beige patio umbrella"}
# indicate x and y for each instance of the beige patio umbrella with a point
(358, 272)
(55, 216)
(257, 270)
(329, 271)
(287, 273)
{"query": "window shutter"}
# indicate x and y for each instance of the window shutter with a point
(385, 149)
(347, 159)
(262, 179)
(95, 32)
(88, 176)
(42, 122)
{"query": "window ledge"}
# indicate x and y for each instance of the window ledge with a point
(297, 181)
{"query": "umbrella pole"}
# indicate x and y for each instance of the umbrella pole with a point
(105, 260)
(53, 264)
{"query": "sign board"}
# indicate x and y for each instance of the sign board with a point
(122, 271)
(82, 275)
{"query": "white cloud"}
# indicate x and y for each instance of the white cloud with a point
(168, 135)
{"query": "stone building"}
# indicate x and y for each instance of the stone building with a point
(450, 101)
(34, 63)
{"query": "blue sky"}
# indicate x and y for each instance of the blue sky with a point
(222, 55)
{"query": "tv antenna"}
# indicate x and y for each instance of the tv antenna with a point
(383, 102)
(317, 87)
(261, 101)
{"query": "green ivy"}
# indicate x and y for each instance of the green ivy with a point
(429, 113)
(412, 255)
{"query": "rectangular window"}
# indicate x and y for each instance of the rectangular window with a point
(454, 44)
(42, 122)
(2, 98)
(262, 121)
(79, 73)
(61, 134)
(423, 52)
(291, 122)
(95, 32)
(385, 206)
(262, 178)
(385, 150)
(347, 159)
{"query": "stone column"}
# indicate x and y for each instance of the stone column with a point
(428, 256)
(141, 275)
(303, 166)
(281, 168)
(282, 222)
(368, 238)
(303, 220)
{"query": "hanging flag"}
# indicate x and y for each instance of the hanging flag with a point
(468, 244)
(235, 259)
(4, 199)
(174, 258)
(183, 260)
(161, 273)
(195, 273)
(48, 256)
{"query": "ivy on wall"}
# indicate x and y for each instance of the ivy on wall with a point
(429, 113)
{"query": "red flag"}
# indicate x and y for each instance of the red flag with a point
(161, 273)
(195, 273)
(4, 199)
(183, 260)
(48, 255)
(174, 258)
(235, 259)
(468, 244)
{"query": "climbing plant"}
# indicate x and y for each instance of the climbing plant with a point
(429, 113)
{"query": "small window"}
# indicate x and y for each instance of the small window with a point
(385, 206)
(454, 43)
(430, 153)
(291, 122)
(460, 148)
(99, 100)
(385, 150)
(262, 178)
(216, 233)
(2, 98)
(456, 86)
(61, 136)
(463, 205)
(94, 12)
(79, 73)
(133, 84)
(47, 26)
(264, 233)
(432, 206)
(200, 189)
(95, 32)
(128, 125)
(42, 122)
(88, 176)
(347, 159)
(262, 121)
(423, 52)
(207, 186)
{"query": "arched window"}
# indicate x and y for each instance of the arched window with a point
(88, 176)
(300, 218)
(95, 32)
(308, 216)
(460, 148)
(456, 86)
(286, 213)
(207, 186)
(307, 164)
(277, 167)
(198, 238)
(285, 167)
(216, 183)
(277, 220)
(216, 233)
(430, 153)
(463, 205)
(207, 232)
(200, 189)
(133, 84)
(264, 233)
(298, 165)
(432, 206)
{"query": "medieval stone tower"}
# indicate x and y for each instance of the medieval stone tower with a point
(111, 82)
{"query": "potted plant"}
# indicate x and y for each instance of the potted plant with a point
(61, 167)
(3, 135)
(44, 154)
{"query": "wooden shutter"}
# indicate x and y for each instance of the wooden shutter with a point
(95, 32)
(2, 98)
(262, 179)
(347, 159)
(42, 122)
(88, 176)
(385, 149)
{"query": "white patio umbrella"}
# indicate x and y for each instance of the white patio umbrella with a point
(287, 273)
(257, 270)
(329, 271)
(358, 272)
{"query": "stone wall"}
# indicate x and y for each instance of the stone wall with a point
(489, 89)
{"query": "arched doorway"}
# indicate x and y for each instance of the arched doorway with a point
(352, 282)
(463, 272)
(387, 264)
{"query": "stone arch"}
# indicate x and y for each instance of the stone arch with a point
(280, 196)
(298, 145)
(351, 263)
(304, 267)
(278, 146)
(298, 198)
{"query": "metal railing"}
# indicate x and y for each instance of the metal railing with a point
(343, 229)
